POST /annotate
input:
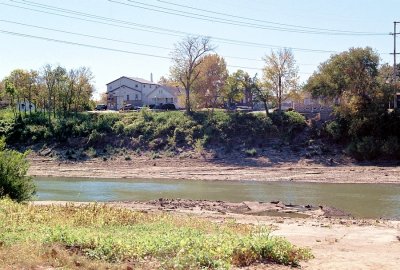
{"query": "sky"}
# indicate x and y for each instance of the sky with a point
(134, 38)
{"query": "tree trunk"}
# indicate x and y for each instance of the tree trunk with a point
(187, 101)
(25, 107)
(280, 94)
(266, 107)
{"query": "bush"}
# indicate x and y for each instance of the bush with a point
(366, 148)
(13, 180)
(251, 152)
(334, 130)
(391, 147)
(289, 122)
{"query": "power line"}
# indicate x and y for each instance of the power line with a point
(86, 35)
(80, 44)
(101, 47)
(122, 24)
(268, 22)
(121, 41)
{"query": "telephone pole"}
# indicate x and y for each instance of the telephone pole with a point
(395, 53)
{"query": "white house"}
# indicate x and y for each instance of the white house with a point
(139, 92)
(25, 106)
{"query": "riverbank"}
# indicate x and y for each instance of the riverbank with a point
(336, 243)
(230, 168)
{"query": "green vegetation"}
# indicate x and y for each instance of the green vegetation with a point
(149, 131)
(104, 234)
(362, 89)
(13, 180)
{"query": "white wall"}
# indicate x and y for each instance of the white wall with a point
(147, 93)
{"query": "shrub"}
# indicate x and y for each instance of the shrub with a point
(288, 122)
(251, 152)
(14, 182)
(334, 130)
(391, 147)
(366, 148)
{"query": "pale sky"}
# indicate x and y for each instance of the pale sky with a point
(143, 32)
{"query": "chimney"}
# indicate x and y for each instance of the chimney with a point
(151, 77)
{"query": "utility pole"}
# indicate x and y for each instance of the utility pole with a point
(395, 53)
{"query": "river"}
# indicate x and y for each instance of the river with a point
(361, 200)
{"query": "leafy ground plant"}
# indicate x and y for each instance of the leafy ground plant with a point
(96, 234)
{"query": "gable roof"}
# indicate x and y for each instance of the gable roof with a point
(139, 80)
(175, 91)
(130, 88)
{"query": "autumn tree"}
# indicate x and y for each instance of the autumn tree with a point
(187, 56)
(211, 80)
(280, 73)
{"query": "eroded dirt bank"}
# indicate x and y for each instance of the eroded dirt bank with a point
(337, 242)
(256, 169)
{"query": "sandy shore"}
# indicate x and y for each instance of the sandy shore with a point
(337, 243)
(256, 169)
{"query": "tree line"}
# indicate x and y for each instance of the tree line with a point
(52, 91)
(206, 81)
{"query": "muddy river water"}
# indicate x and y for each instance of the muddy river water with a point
(361, 200)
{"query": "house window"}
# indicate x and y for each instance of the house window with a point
(127, 97)
(144, 86)
(136, 97)
(150, 86)
(137, 86)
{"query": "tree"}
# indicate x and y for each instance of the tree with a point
(187, 57)
(280, 73)
(351, 77)
(211, 80)
(235, 86)
(261, 93)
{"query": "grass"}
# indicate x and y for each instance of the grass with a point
(95, 236)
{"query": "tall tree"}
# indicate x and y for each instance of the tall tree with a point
(213, 73)
(261, 92)
(187, 56)
(280, 73)
(351, 77)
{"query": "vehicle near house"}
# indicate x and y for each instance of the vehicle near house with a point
(140, 93)
(162, 107)
(100, 107)
(129, 107)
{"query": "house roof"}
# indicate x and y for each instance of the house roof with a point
(139, 80)
(174, 90)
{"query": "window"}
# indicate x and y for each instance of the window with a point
(150, 86)
(137, 86)
(144, 86)
(127, 97)
(136, 97)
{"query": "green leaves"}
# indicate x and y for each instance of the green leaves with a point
(14, 182)
(117, 235)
